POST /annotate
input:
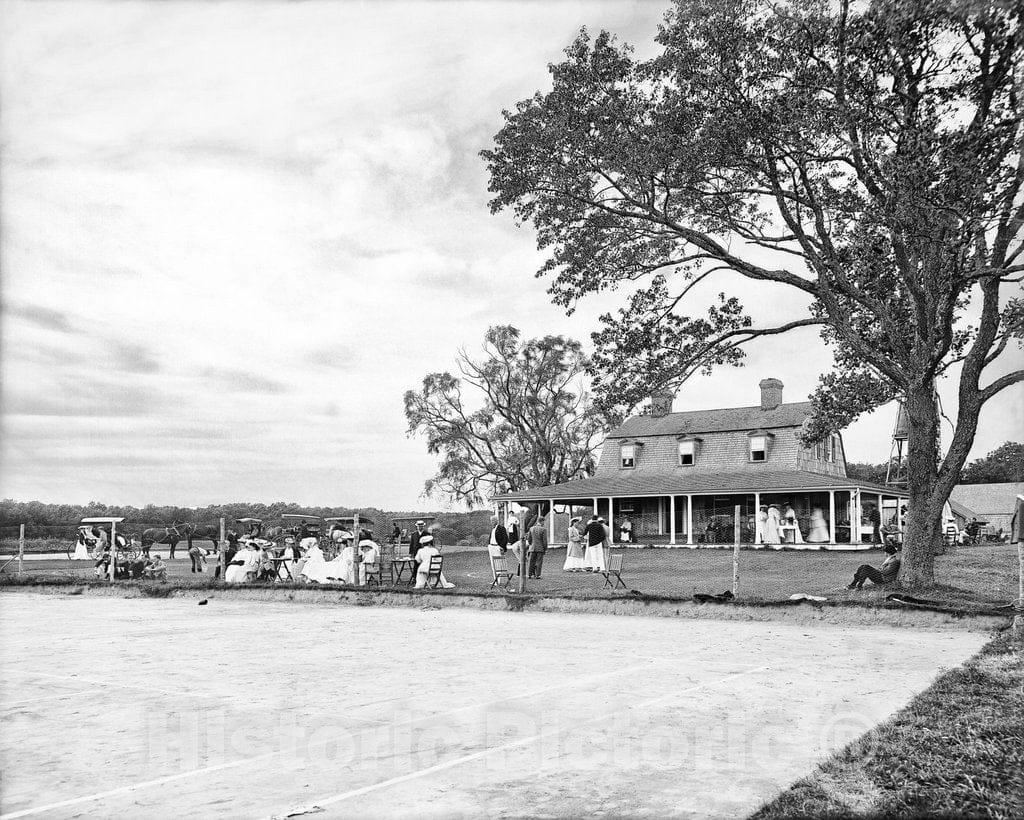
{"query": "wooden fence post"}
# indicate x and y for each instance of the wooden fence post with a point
(21, 549)
(223, 549)
(736, 551)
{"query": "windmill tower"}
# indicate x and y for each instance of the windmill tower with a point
(896, 472)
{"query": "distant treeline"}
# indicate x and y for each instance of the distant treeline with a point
(60, 520)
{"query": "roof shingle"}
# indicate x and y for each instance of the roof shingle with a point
(714, 421)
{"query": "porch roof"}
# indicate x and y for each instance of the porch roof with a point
(632, 485)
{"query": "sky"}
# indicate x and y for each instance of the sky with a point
(234, 234)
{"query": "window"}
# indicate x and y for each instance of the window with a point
(628, 454)
(817, 450)
(834, 447)
(686, 452)
(758, 448)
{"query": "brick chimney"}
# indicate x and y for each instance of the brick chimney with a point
(771, 393)
(661, 403)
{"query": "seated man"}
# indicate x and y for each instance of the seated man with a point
(885, 574)
(155, 569)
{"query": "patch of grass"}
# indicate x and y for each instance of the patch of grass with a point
(956, 750)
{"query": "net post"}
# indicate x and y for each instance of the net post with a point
(736, 550)
(223, 548)
(21, 548)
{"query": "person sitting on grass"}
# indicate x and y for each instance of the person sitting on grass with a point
(885, 574)
(155, 569)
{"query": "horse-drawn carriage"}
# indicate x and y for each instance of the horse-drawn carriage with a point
(97, 539)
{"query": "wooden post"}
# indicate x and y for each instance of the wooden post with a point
(736, 551)
(222, 559)
(21, 549)
(522, 555)
(113, 550)
(672, 519)
(832, 516)
(758, 532)
(356, 557)
(689, 519)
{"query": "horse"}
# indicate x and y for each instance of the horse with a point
(166, 535)
(202, 532)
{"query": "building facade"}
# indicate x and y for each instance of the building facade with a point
(678, 478)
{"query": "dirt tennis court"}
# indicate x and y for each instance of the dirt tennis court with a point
(153, 708)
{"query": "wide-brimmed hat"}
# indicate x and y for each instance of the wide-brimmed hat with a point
(426, 539)
(367, 543)
(574, 520)
(424, 523)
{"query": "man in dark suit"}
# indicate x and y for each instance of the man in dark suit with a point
(537, 538)
(499, 537)
(414, 540)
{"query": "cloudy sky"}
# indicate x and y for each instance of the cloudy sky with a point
(233, 234)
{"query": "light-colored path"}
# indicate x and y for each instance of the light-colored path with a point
(157, 708)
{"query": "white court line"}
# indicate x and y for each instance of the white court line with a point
(10, 703)
(319, 804)
(117, 685)
(159, 781)
(89, 797)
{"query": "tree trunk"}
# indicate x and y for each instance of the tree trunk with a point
(923, 533)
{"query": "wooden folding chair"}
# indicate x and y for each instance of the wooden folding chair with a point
(372, 574)
(499, 567)
(434, 571)
(614, 570)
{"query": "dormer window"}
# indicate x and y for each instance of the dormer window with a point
(833, 447)
(817, 451)
(687, 450)
(627, 454)
(760, 440)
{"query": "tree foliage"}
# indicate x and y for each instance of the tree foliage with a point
(529, 420)
(1004, 464)
(862, 158)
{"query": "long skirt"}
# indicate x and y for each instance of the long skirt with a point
(594, 557)
(575, 558)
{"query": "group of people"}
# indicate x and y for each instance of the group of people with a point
(586, 545)
(142, 567)
(780, 525)
(303, 559)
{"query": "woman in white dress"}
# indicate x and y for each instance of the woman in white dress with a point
(762, 523)
(819, 529)
(793, 524)
(314, 567)
(244, 562)
(427, 551)
(771, 527)
(81, 548)
(574, 553)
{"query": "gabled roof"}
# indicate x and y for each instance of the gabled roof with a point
(628, 483)
(988, 499)
(714, 421)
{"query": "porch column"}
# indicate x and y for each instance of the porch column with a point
(689, 519)
(671, 519)
(758, 535)
(611, 520)
(855, 516)
(595, 506)
(661, 515)
(551, 521)
(832, 516)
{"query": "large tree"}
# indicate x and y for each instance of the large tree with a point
(527, 421)
(863, 159)
(1005, 463)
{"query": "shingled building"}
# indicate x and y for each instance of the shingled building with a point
(678, 477)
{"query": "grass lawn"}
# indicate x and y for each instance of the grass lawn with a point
(957, 750)
(984, 574)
